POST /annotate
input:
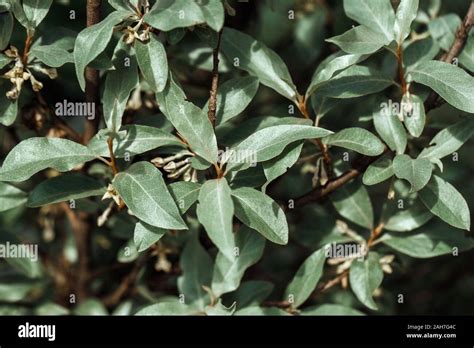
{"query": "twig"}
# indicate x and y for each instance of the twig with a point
(92, 76)
(211, 113)
(113, 163)
(401, 70)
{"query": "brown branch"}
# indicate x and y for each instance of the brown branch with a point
(92, 76)
(456, 48)
(113, 163)
(127, 283)
(401, 70)
(211, 113)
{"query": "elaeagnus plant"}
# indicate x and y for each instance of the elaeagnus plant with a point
(234, 158)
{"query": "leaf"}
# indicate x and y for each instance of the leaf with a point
(377, 15)
(260, 212)
(165, 308)
(449, 140)
(35, 154)
(258, 60)
(419, 51)
(428, 244)
(119, 83)
(170, 14)
(452, 83)
(153, 63)
(8, 108)
(268, 143)
(444, 201)
(408, 219)
(220, 309)
(123, 4)
(443, 29)
(330, 67)
(35, 11)
(406, 13)
(390, 128)
(416, 171)
(330, 309)
(137, 140)
(215, 211)
(416, 119)
(128, 252)
(356, 139)
(233, 96)
(280, 164)
(251, 293)
(51, 55)
(229, 271)
(197, 270)
(360, 40)
(144, 191)
(378, 171)
(11, 197)
(466, 58)
(366, 276)
(189, 120)
(353, 202)
(64, 188)
(89, 307)
(256, 310)
(185, 193)
(93, 40)
(306, 278)
(31, 265)
(6, 28)
(356, 81)
(146, 235)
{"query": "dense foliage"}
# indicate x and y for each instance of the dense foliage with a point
(224, 157)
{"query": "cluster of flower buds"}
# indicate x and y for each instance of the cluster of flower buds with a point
(20, 73)
(134, 33)
(111, 193)
(178, 165)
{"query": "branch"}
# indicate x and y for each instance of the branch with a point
(211, 113)
(92, 75)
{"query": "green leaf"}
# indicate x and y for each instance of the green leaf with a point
(6, 28)
(51, 55)
(251, 293)
(91, 306)
(329, 67)
(255, 310)
(466, 58)
(4, 61)
(390, 128)
(419, 51)
(428, 244)
(352, 201)
(215, 211)
(443, 29)
(137, 140)
(449, 140)
(444, 201)
(228, 272)
(151, 57)
(189, 120)
(30, 266)
(93, 40)
(377, 15)
(306, 278)
(144, 191)
(128, 252)
(452, 83)
(260, 212)
(268, 143)
(280, 164)
(258, 60)
(416, 119)
(166, 308)
(330, 309)
(64, 188)
(416, 171)
(406, 13)
(356, 81)
(123, 4)
(220, 309)
(11, 197)
(119, 83)
(360, 40)
(233, 96)
(146, 235)
(185, 193)
(35, 154)
(365, 276)
(8, 107)
(378, 171)
(167, 15)
(408, 219)
(36, 10)
(197, 269)
(356, 139)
